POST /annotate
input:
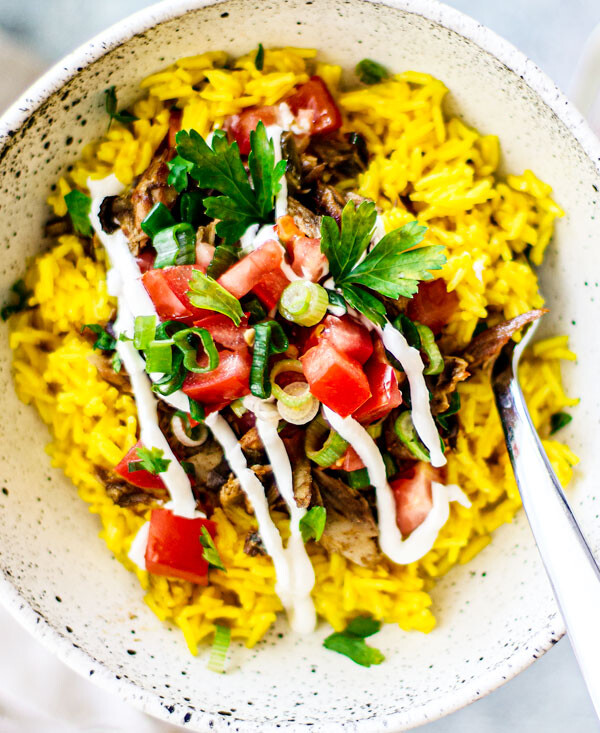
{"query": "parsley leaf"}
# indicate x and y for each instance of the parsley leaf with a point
(19, 289)
(116, 363)
(393, 267)
(151, 460)
(79, 206)
(178, 173)
(344, 248)
(104, 342)
(221, 168)
(312, 523)
(365, 303)
(558, 421)
(110, 104)
(259, 59)
(351, 642)
(206, 293)
(211, 554)
(370, 72)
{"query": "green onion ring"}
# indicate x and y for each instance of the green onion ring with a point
(288, 365)
(190, 356)
(330, 451)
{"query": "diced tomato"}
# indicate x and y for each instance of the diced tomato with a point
(240, 126)
(383, 384)
(142, 479)
(230, 380)
(287, 230)
(168, 287)
(346, 334)
(204, 254)
(175, 117)
(307, 259)
(269, 289)
(336, 380)
(412, 493)
(315, 96)
(433, 305)
(224, 331)
(249, 271)
(145, 260)
(351, 461)
(174, 547)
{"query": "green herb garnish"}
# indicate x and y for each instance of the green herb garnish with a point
(225, 255)
(558, 421)
(211, 554)
(393, 267)
(116, 363)
(205, 292)
(175, 245)
(218, 652)
(110, 104)
(269, 338)
(259, 59)
(143, 331)
(79, 206)
(220, 167)
(151, 460)
(18, 288)
(196, 410)
(312, 523)
(104, 342)
(351, 642)
(370, 72)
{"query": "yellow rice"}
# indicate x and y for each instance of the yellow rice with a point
(485, 223)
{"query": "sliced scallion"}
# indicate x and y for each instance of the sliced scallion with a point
(174, 380)
(288, 365)
(191, 209)
(429, 346)
(224, 257)
(358, 479)
(405, 430)
(269, 338)
(252, 305)
(184, 341)
(375, 429)
(390, 465)
(409, 330)
(218, 652)
(143, 331)
(196, 410)
(158, 219)
(175, 245)
(303, 302)
(323, 452)
(159, 357)
(237, 407)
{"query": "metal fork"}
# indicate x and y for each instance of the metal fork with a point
(569, 563)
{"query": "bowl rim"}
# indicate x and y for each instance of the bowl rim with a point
(33, 620)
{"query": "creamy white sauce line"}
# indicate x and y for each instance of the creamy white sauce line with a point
(420, 540)
(299, 603)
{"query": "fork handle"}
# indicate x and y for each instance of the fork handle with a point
(569, 563)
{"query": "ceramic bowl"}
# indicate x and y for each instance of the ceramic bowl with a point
(495, 614)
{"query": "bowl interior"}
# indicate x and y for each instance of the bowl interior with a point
(496, 613)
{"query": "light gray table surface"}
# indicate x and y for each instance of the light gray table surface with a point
(548, 697)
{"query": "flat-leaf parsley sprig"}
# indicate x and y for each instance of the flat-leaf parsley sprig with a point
(220, 167)
(393, 267)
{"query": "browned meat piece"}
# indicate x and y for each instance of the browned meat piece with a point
(125, 494)
(252, 446)
(232, 494)
(116, 211)
(329, 201)
(393, 444)
(207, 233)
(488, 344)
(344, 156)
(350, 528)
(204, 458)
(308, 223)
(253, 545)
(103, 364)
(293, 171)
(217, 476)
(57, 227)
(302, 477)
(394, 307)
(455, 371)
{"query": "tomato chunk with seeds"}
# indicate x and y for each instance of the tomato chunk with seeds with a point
(224, 331)
(174, 547)
(240, 278)
(316, 97)
(412, 493)
(345, 334)
(383, 384)
(334, 379)
(142, 479)
(230, 380)
(240, 126)
(433, 305)
(168, 288)
(269, 289)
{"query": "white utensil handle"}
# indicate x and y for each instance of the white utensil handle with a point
(570, 565)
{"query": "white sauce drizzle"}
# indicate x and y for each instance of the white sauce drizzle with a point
(133, 300)
(270, 536)
(137, 551)
(301, 609)
(420, 540)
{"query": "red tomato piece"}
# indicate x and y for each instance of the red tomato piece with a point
(175, 116)
(351, 461)
(383, 384)
(269, 289)
(145, 260)
(345, 334)
(230, 380)
(224, 331)
(142, 479)
(168, 288)
(336, 380)
(432, 305)
(308, 260)
(413, 497)
(315, 96)
(174, 547)
(249, 271)
(240, 126)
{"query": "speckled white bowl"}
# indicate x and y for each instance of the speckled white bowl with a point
(495, 615)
